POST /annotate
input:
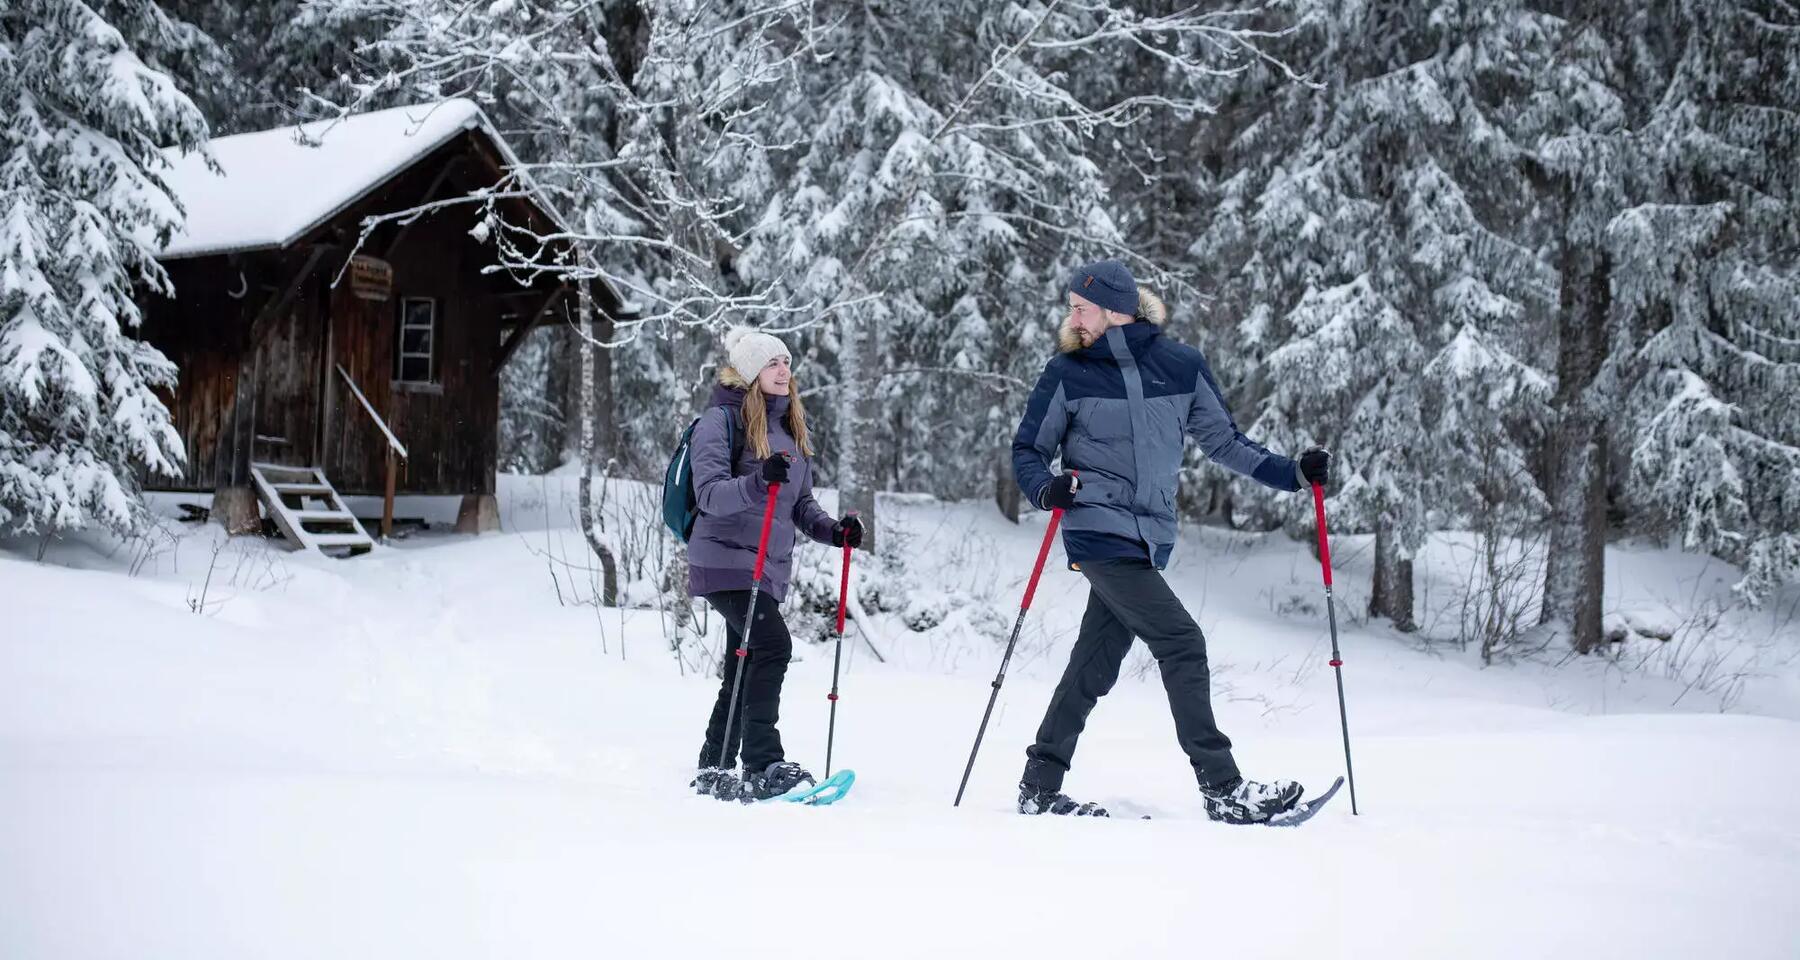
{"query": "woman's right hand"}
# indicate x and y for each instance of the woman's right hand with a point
(775, 469)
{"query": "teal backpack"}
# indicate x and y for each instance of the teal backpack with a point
(680, 503)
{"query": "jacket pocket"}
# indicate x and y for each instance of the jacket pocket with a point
(1101, 491)
(1103, 419)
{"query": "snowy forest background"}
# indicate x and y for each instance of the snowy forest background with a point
(1528, 268)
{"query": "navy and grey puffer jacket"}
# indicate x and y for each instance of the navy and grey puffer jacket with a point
(1120, 411)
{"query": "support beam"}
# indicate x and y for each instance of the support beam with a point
(517, 340)
(289, 291)
(479, 513)
(430, 194)
(387, 499)
(235, 508)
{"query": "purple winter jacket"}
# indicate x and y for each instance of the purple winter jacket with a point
(722, 550)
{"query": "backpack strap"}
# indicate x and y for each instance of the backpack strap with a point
(734, 437)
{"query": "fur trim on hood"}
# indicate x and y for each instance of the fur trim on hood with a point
(1151, 309)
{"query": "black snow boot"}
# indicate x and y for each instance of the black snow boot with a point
(1035, 800)
(776, 779)
(718, 783)
(1245, 801)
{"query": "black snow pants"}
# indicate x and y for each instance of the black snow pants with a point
(759, 705)
(1128, 597)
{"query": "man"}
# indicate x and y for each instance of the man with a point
(1119, 401)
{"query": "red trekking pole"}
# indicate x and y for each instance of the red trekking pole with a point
(1337, 660)
(837, 652)
(743, 650)
(999, 678)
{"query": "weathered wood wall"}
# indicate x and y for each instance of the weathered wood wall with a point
(231, 392)
(450, 428)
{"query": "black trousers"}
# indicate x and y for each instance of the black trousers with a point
(759, 703)
(1129, 598)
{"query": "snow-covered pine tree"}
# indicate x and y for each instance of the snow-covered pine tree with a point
(957, 167)
(891, 207)
(1574, 125)
(1705, 277)
(277, 62)
(82, 214)
(1361, 243)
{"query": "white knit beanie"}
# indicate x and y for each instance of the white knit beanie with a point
(751, 350)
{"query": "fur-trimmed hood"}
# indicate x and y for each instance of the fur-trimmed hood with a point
(1151, 309)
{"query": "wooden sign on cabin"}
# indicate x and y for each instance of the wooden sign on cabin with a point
(371, 278)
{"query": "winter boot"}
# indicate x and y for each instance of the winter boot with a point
(716, 782)
(776, 779)
(1035, 800)
(1245, 801)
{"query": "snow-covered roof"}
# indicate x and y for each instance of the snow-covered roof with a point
(279, 184)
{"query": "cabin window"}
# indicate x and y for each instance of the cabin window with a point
(415, 360)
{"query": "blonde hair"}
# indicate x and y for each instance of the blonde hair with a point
(756, 414)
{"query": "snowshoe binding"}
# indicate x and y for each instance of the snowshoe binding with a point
(716, 782)
(776, 779)
(1035, 800)
(1241, 801)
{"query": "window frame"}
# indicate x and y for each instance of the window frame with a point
(401, 354)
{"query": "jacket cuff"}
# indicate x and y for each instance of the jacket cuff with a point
(1279, 472)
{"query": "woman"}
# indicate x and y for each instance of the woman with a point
(752, 435)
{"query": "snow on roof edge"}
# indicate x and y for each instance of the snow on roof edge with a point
(258, 148)
(255, 206)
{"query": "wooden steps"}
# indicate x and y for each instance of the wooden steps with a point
(308, 511)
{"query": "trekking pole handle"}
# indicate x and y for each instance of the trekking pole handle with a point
(762, 554)
(762, 544)
(844, 585)
(1044, 551)
(1318, 491)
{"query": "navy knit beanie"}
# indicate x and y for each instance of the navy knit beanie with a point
(1107, 283)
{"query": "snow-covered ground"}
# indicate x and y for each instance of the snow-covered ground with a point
(425, 753)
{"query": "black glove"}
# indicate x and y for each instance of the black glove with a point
(775, 469)
(848, 530)
(1060, 494)
(1315, 466)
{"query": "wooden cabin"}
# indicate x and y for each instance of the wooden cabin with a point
(312, 367)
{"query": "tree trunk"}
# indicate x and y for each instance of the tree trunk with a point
(609, 567)
(857, 457)
(1006, 489)
(675, 589)
(604, 419)
(1393, 594)
(560, 388)
(1574, 573)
